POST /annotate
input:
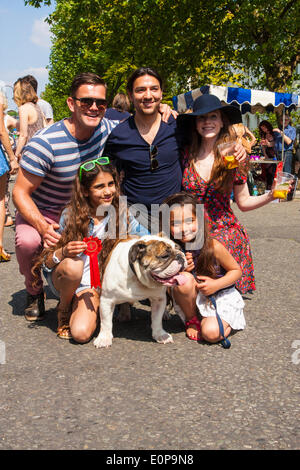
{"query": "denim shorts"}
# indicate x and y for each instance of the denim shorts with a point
(48, 277)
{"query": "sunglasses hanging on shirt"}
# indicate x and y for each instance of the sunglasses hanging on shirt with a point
(153, 160)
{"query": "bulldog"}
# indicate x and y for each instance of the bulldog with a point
(140, 269)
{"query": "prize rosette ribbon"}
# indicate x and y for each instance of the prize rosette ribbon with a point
(94, 246)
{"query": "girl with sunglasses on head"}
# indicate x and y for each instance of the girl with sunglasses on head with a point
(95, 197)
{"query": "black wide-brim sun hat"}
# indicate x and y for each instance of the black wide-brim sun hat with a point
(205, 104)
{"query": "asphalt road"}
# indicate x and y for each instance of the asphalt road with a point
(139, 394)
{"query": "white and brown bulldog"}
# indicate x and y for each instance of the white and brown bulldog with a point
(140, 269)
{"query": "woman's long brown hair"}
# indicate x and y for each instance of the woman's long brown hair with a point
(220, 176)
(78, 215)
(206, 263)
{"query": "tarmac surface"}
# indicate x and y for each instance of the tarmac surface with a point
(138, 394)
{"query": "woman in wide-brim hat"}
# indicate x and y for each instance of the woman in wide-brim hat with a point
(206, 177)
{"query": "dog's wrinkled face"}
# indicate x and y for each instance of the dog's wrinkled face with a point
(157, 261)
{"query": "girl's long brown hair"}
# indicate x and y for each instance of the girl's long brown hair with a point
(220, 176)
(78, 215)
(206, 263)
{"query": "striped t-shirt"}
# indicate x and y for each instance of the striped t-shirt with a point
(55, 155)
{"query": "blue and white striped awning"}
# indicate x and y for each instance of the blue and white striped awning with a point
(249, 100)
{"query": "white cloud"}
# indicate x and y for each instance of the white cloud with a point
(40, 34)
(38, 72)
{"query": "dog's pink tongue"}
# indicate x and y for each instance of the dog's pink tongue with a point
(180, 278)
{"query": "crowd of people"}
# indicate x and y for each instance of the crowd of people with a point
(67, 169)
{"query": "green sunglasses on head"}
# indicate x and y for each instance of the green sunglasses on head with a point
(90, 165)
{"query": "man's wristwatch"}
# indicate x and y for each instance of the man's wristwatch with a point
(55, 259)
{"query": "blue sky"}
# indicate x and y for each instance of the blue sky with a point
(24, 44)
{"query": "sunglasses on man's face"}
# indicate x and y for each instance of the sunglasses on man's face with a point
(88, 102)
(153, 160)
(90, 165)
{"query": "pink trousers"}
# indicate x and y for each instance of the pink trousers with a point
(28, 246)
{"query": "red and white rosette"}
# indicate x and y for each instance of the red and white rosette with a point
(94, 246)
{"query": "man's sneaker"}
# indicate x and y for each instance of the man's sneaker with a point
(35, 307)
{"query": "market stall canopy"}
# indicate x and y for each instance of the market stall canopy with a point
(248, 100)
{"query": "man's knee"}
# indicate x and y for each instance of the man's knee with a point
(28, 245)
(27, 239)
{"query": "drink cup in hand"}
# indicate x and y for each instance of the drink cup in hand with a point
(285, 186)
(226, 150)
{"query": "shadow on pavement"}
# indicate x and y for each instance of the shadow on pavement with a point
(18, 302)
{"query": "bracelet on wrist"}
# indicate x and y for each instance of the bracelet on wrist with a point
(55, 259)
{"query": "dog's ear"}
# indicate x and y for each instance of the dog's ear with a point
(136, 251)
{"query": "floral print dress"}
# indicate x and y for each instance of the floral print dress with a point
(223, 224)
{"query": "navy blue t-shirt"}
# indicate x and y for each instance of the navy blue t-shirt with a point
(132, 154)
(115, 115)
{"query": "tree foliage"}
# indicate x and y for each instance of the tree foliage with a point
(266, 38)
(190, 43)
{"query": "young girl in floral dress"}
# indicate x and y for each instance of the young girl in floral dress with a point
(206, 177)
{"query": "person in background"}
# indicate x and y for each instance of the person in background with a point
(289, 135)
(4, 170)
(31, 118)
(244, 136)
(44, 105)
(267, 142)
(11, 124)
(120, 108)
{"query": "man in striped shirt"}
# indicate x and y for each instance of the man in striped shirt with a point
(47, 169)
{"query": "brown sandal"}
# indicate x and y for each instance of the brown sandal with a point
(63, 328)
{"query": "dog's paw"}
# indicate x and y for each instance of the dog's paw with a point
(103, 341)
(163, 338)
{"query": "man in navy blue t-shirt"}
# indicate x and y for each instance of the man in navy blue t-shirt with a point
(146, 148)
